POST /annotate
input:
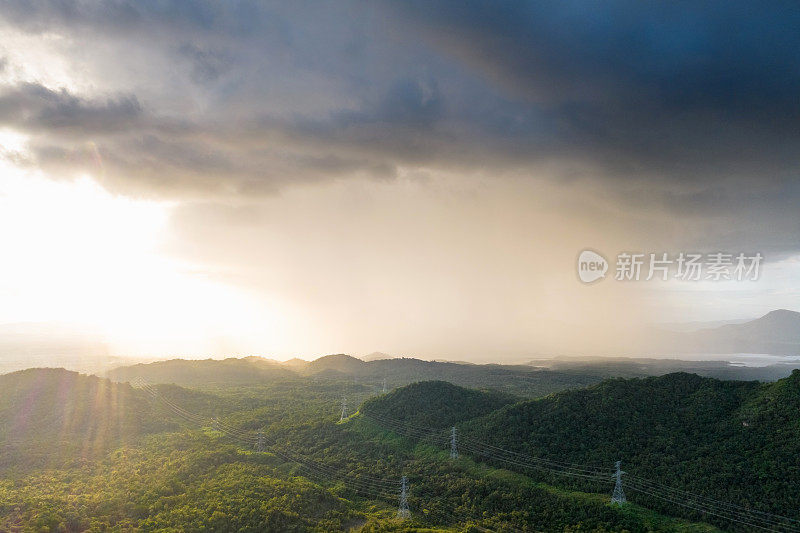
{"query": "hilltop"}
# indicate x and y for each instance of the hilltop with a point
(435, 404)
(337, 363)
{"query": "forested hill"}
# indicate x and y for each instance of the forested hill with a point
(434, 404)
(53, 417)
(733, 441)
(87, 454)
(50, 414)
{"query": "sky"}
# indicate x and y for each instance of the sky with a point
(192, 178)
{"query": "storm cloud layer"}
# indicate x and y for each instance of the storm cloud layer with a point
(464, 152)
(274, 93)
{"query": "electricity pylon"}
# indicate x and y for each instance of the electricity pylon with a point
(384, 385)
(344, 409)
(453, 447)
(618, 497)
(260, 442)
(402, 510)
(215, 424)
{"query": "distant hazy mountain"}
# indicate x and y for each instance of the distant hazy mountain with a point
(776, 326)
(189, 372)
(777, 333)
(377, 356)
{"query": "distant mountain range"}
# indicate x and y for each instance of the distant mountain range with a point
(522, 379)
(529, 381)
(776, 333)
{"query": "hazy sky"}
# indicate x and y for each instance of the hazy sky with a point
(299, 178)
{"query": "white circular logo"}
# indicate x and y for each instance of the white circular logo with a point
(591, 266)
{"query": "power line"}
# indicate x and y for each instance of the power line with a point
(380, 488)
(705, 510)
(439, 435)
(723, 510)
(374, 488)
(358, 483)
(402, 510)
(689, 495)
(618, 497)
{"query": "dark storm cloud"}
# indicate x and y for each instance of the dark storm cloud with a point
(673, 88)
(684, 56)
(32, 107)
(696, 105)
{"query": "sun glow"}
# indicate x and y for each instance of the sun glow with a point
(74, 253)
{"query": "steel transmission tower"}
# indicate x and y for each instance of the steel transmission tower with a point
(453, 447)
(215, 424)
(344, 409)
(402, 510)
(260, 443)
(618, 497)
(384, 385)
